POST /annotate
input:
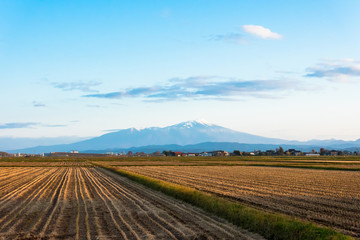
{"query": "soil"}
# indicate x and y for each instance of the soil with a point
(330, 198)
(93, 203)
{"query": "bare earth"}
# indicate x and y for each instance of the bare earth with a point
(331, 198)
(355, 165)
(92, 203)
(45, 164)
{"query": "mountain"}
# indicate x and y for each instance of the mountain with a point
(185, 133)
(10, 143)
(190, 132)
(206, 147)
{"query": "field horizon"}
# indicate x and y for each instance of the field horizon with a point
(294, 194)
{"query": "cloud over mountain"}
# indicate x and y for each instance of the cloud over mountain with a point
(14, 125)
(202, 87)
(18, 125)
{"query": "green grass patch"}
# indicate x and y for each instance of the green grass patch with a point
(269, 225)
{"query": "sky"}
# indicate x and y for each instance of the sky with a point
(282, 69)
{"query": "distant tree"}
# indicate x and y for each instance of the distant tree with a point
(322, 151)
(167, 153)
(280, 151)
(245, 153)
(237, 153)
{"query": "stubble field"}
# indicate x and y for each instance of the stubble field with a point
(331, 198)
(92, 203)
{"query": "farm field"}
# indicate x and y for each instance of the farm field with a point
(331, 198)
(45, 164)
(355, 166)
(330, 163)
(93, 203)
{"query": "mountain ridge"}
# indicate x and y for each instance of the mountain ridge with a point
(182, 134)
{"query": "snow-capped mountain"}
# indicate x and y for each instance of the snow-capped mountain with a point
(185, 133)
(190, 132)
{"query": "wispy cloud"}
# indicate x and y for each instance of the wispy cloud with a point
(93, 106)
(14, 125)
(111, 130)
(202, 87)
(18, 125)
(38, 104)
(53, 125)
(84, 86)
(261, 32)
(240, 37)
(336, 70)
(237, 38)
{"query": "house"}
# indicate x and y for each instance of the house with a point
(177, 154)
(206, 154)
(220, 153)
(294, 152)
(140, 154)
(270, 153)
(191, 154)
(312, 154)
(336, 153)
(157, 154)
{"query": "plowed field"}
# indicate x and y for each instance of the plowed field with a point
(92, 203)
(331, 198)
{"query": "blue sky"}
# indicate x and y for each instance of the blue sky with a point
(284, 69)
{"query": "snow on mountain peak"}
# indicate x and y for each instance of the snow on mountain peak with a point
(203, 122)
(193, 123)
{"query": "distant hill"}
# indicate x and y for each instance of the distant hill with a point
(206, 147)
(4, 154)
(183, 134)
(11, 143)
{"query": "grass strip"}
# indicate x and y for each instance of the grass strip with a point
(304, 167)
(269, 225)
(240, 164)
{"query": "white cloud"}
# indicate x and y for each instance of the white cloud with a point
(204, 88)
(344, 70)
(261, 32)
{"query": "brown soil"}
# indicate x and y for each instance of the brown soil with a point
(355, 165)
(331, 198)
(45, 164)
(92, 203)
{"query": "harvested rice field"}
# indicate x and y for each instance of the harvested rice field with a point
(331, 198)
(335, 163)
(93, 203)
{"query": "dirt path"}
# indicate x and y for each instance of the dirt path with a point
(92, 203)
